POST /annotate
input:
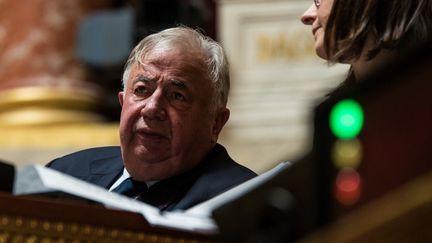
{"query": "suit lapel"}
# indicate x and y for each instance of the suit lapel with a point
(167, 193)
(105, 171)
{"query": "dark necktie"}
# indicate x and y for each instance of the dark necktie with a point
(131, 188)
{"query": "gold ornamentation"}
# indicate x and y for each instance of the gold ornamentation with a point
(30, 230)
(46, 106)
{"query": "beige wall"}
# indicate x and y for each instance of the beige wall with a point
(276, 80)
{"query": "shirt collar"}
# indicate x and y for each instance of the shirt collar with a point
(126, 175)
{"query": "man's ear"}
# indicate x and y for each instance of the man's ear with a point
(120, 97)
(221, 118)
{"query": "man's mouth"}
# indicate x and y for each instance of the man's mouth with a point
(152, 134)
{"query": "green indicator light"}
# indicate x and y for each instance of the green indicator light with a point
(346, 119)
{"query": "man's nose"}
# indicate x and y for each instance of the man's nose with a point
(309, 16)
(154, 107)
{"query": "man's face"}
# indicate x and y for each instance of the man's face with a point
(166, 124)
(317, 17)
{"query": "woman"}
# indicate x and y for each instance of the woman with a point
(367, 33)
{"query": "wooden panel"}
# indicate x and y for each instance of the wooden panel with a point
(24, 219)
(403, 215)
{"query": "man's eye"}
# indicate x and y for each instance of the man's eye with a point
(140, 90)
(178, 96)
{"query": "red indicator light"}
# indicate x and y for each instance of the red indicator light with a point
(347, 187)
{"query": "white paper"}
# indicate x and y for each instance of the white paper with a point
(49, 180)
(35, 179)
(205, 209)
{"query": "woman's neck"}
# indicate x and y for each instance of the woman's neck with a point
(363, 67)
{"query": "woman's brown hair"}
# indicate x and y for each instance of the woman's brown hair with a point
(393, 24)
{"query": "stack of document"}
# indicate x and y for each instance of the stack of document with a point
(39, 180)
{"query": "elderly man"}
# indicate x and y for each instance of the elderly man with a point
(176, 85)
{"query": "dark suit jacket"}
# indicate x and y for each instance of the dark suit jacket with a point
(215, 174)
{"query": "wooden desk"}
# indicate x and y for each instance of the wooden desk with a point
(402, 215)
(25, 219)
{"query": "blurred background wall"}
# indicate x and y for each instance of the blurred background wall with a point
(61, 63)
